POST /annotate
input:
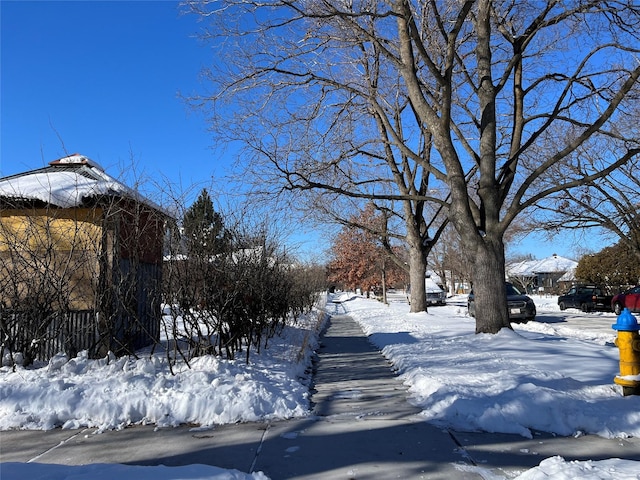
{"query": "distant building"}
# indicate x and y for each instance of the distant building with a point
(80, 261)
(549, 275)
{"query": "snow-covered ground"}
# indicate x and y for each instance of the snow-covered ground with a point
(553, 375)
(112, 393)
(540, 376)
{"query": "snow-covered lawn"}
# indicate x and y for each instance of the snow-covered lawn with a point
(540, 376)
(547, 376)
(112, 393)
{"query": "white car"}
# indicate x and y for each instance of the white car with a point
(435, 294)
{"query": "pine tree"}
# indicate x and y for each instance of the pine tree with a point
(204, 228)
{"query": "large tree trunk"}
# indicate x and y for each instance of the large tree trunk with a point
(418, 268)
(417, 271)
(489, 287)
(485, 252)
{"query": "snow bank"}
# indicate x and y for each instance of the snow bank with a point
(111, 393)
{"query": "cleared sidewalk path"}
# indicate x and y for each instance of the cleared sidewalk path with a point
(361, 427)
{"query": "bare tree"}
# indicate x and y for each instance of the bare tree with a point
(362, 256)
(449, 261)
(342, 148)
(386, 100)
(610, 203)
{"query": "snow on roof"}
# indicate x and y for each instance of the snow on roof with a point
(569, 275)
(67, 182)
(77, 159)
(552, 264)
(521, 269)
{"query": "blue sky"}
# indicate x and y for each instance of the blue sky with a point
(104, 78)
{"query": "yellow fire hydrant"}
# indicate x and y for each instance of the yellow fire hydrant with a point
(628, 342)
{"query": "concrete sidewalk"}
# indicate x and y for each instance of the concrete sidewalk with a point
(361, 427)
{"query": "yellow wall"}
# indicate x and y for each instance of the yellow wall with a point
(39, 229)
(49, 252)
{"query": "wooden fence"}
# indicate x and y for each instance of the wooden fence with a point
(130, 321)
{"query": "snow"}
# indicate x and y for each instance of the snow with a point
(548, 375)
(531, 378)
(98, 471)
(67, 183)
(431, 286)
(63, 189)
(552, 264)
(112, 393)
(76, 159)
(558, 469)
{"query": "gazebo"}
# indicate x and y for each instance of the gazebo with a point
(81, 262)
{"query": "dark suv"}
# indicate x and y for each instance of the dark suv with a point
(586, 297)
(521, 307)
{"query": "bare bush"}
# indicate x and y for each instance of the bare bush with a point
(232, 293)
(47, 270)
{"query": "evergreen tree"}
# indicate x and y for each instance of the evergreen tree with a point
(204, 228)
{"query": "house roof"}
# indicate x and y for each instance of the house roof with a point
(68, 182)
(552, 264)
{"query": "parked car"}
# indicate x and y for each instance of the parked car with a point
(586, 297)
(435, 294)
(629, 299)
(521, 307)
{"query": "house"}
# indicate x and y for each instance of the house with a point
(81, 262)
(549, 275)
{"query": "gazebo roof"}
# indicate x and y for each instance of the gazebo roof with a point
(68, 182)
